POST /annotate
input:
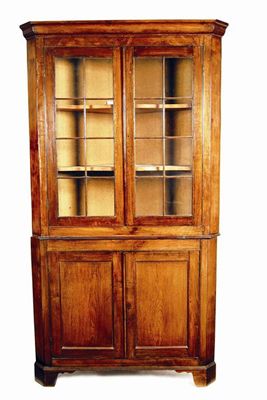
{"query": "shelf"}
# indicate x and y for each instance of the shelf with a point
(161, 106)
(152, 168)
(93, 108)
(148, 108)
(94, 168)
(79, 168)
(108, 108)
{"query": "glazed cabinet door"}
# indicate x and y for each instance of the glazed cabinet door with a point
(84, 151)
(86, 304)
(162, 298)
(163, 96)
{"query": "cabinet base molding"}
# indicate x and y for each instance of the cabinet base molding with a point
(203, 376)
(47, 376)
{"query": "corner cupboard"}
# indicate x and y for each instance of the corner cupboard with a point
(125, 136)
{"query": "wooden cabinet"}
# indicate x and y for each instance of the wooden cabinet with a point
(124, 136)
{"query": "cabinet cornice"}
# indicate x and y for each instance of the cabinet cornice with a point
(36, 28)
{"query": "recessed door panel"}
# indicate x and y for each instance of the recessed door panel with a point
(162, 300)
(86, 304)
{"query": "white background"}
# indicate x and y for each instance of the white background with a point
(241, 289)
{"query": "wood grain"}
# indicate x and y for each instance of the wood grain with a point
(86, 304)
(125, 40)
(120, 232)
(161, 292)
(208, 299)
(161, 303)
(122, 245)
(137, 27)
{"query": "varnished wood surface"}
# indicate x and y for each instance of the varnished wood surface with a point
(126, 40)
(86, 304)
(202, 375)
(208, 299)
(31, 29)
(178, 232)
(122, 245)
(161, 292)
(206, 376)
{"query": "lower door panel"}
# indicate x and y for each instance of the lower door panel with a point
(162, 302)
(86, 304)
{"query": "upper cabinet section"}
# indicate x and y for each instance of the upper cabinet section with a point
(124, 126)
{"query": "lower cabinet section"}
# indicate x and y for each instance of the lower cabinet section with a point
(160, 304)
(124, 308)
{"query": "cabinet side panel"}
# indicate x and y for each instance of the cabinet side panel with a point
(215, 136)
(207, 299)
(37, 305)
(32, 100)
(40, 301)
(37, 136)
(206, 131)
(211, 133)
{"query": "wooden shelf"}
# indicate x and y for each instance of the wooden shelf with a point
(94, 168)
(93, 108)
(148, 108)
(145, 106)
(152, 168)
(108, 108)
(138, 168)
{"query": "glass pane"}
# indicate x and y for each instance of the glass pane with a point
(98, 78)
(148, 77)
(148, 151)
(149, 196)
(178, 117)
(163, 167)
(178, 123)
(69, 77)
(148, 118)
(70, 154)
(100, 197)
(178, 151)
(69, 118)
(71, 199)
(99, 152)
(99, 118)
(178, 77)
(84, 110)
(178, 196)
